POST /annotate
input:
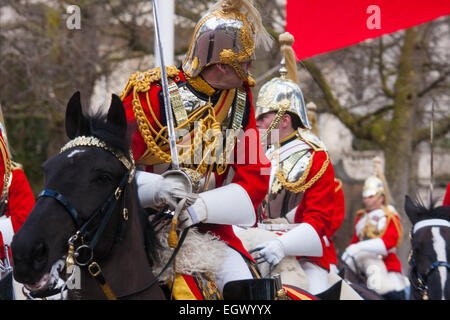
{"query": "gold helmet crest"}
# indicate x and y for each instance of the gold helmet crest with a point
(228, 33)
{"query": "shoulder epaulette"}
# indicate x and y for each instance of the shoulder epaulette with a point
(141, 81)
(310, 138)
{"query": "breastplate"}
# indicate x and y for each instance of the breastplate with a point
(191, 101)
(280, 200)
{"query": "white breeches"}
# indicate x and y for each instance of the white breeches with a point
(317, 277)
(234, 268)
(379, 278)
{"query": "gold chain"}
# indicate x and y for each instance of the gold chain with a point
(300, 185)
(7, 174)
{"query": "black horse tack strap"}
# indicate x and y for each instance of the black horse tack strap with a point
(89, 237)
(64, 202)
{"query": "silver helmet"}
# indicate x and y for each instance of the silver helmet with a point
(227, 34)
(282, 94)
(372, 186)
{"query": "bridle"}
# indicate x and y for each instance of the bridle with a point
(420, 281)
(83, 242)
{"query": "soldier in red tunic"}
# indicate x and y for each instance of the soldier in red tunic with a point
(17, 199)
(211, 99)
(301, 187)
(377, 232)
(339, 200)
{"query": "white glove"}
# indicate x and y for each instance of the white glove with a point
(171, 190)
(6, 229)
(375, 246)
(156, 191)
(351, 251)
(194, 214)
(272, 251)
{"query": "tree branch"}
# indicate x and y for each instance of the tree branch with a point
(383, 76)
(434, 84)
(441, 128)
(333, 104)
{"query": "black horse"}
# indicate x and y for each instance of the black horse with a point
(89, 213)
(430, 250)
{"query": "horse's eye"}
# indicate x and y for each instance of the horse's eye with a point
(104, 177)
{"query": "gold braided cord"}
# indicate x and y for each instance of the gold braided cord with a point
(7, 163)
(300, 185)
(205, 123)
(283, 106)
(156, 139)
(339, 186)
(370, 231)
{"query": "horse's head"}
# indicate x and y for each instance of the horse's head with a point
(430, 250)
(78, 182)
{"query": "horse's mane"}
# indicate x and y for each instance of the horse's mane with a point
(107, 132)
(433, 211)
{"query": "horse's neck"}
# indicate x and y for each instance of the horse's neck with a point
(127, 269)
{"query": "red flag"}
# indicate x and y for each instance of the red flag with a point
(320, 26)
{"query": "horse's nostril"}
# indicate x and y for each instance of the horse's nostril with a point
(39, 255)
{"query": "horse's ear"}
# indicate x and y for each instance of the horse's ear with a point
(76, 123)
(410, 209)
(116, 115)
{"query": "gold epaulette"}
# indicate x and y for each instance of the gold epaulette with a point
(141, 81)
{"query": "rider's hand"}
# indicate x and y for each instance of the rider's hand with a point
(156, 191)
(272, 251)
(194, 214)
(350, 252)
(171, 190)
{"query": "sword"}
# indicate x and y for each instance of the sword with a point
(173, 237)
(165, 88)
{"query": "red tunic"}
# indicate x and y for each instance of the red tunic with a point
(20, 202)
(390, 239)
(335, 222)
(446, 201)
(317, 205)
(246, 173)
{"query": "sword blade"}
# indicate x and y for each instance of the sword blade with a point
(166, 96)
